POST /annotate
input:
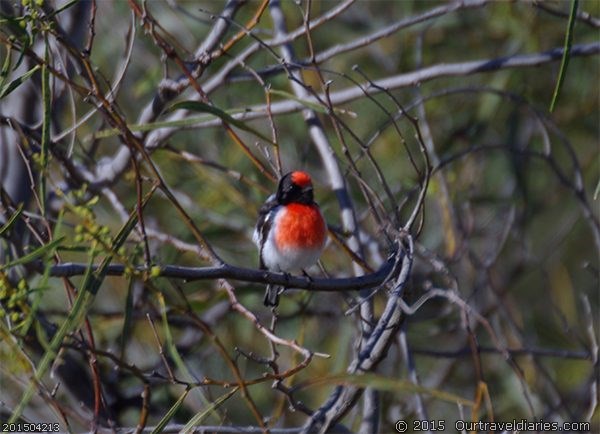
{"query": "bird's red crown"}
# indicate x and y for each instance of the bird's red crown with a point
(301, 179)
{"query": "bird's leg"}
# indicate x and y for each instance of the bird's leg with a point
(271, 298)
(273, 292)
(284, 287)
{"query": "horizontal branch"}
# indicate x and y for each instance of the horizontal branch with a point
(387, 271)
(399, 81)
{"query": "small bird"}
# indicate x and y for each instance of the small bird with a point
(290, 232)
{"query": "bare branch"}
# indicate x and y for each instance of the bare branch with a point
(225, 271)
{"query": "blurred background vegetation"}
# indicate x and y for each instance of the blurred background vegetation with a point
(509, 225)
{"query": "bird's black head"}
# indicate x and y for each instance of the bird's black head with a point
(295, 187)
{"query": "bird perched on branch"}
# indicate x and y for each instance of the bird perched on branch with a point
(290, 232)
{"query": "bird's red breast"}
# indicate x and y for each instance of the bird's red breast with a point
(300, 226)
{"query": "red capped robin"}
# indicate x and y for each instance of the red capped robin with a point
(291, 231)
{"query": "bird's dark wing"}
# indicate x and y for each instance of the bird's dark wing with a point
(263, 225)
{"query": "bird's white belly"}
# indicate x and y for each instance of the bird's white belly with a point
(289, 259)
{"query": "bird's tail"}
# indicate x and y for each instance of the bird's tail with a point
(272, 295)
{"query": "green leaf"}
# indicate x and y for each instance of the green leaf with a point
(566, 54)
(308, 104)
(8, 88)
(128, 319)
(72, 248)
(198, 106)
(5, 67)
(13, 218)
(63, 7)
(187, 122)
(201, 415)
(167, 417)
(40, 251)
